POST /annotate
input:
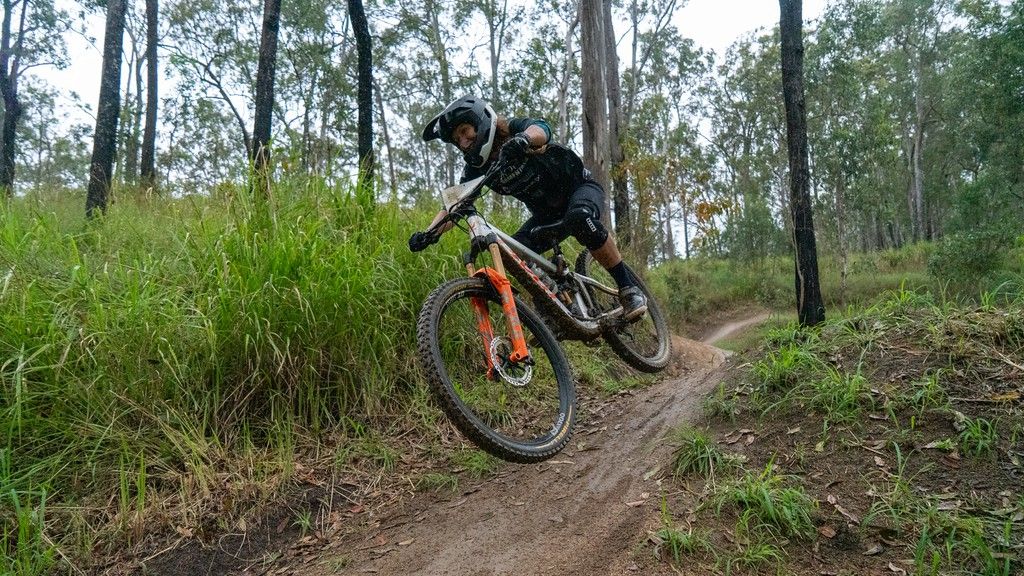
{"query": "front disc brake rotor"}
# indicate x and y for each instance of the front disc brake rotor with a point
(515, 373)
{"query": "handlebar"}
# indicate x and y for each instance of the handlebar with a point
(456, 211)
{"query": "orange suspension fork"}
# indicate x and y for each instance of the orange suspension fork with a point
(483, 324)
(496, 276)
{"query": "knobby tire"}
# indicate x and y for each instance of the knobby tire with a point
(646, 344)
(497, 416)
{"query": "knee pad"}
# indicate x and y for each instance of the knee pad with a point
(586, 227)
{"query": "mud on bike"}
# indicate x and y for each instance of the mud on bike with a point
(494, 361)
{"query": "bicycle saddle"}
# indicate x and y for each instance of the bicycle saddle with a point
(553, 232)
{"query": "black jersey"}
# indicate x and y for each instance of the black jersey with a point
(543, 181)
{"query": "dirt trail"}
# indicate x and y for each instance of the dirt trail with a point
(584, 512)
(731, 328)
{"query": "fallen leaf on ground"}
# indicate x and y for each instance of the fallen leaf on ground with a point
(636, 504)
(406, 542)
(879, 462)
(959, 421)
(835, 504)
(827, 531)
(1007, 397)
(896, 569)
(874, 550)
(793, 430)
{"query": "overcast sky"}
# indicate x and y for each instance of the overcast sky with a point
(712, 24)
(716, 23)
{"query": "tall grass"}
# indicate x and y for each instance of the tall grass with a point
(151, 346)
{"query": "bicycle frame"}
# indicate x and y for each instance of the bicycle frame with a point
(459, 201)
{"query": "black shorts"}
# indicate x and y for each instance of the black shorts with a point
(589, 197)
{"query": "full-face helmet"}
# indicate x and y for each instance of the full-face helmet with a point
(466, 110)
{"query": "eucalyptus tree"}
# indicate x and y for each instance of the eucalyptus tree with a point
(916, 28)
(747, 129)
(52, 145)
(264, 104)
(810, 309)
(983, 80)
(315, 85)
(108, 110)
(595, 95)
(365, 97)
(200, 151)
(504, 24)
(424, 65)
(214, 54)
(31, 35)
(148, 169)
(546, 68)
(133, 107)
(666, 109)
(844, 46)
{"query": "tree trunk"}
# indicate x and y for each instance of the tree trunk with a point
(563, 84)
(439, 49)
(595, 97)
(365, 93)
(392, 181)
(148, 170)
(264, 104)
(133, 114)
(917, 189)
(104, 142)
(841, 236)
(9, 71)
(616, 132)
(810, 308)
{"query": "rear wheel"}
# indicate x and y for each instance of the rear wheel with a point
(644, 344)
(513, 410)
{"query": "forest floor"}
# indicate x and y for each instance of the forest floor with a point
(694, 474)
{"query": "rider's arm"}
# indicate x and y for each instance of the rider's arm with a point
(537, 130)
(445, 227)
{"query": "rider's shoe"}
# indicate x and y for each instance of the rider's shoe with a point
(634, 303)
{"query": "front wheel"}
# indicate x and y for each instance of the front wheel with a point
(517, 411)
(644, 344)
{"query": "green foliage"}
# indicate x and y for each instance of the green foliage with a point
(965, 259)
(979, 436)
(719, 404)
(784, 511)
(438, 481)
(696, 452)
(187, 334)
(476, 462)
(786, 367)
(839, 396)
(23, 549)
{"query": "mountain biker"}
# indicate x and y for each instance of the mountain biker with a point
(549, 178)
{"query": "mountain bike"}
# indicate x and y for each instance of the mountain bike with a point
(493, 360)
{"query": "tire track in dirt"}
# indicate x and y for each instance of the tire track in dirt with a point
(584, 512)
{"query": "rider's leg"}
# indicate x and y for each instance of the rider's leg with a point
(583, 219)
(524, 238)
